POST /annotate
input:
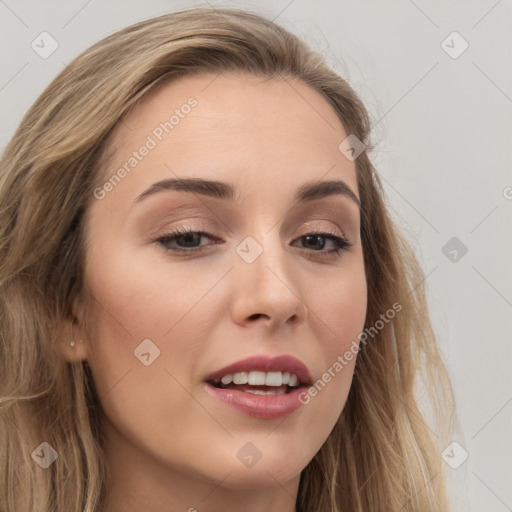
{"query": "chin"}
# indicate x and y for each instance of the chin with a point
(260, 477)
(252, 468)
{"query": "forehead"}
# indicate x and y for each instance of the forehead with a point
(232, 127)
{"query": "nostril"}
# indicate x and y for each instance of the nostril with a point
(256, 316)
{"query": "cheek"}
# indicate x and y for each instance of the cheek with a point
(142, 316)
(339, 309)
(136, 309)
(341, 305)
(147, 296)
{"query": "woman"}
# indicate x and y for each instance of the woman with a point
(204, 302)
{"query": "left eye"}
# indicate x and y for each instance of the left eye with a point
(187, 240)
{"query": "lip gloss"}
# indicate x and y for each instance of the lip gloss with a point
(258, 406)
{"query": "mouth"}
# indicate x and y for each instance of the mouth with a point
(261, 387)
(258, 382)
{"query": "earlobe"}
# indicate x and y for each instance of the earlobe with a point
(71, 339)
(71, 344)
(78, 351)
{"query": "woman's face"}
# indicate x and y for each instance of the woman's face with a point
(169, 315)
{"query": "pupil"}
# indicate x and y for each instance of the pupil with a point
(189, 238)
(317, 237)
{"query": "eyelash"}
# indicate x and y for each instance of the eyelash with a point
(342, 243)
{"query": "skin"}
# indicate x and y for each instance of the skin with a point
(169, 444)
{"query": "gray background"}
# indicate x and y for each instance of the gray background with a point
(444, 131)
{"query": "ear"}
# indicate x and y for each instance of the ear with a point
(72, 329)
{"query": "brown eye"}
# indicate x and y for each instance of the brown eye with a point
(182, 239)
(185, 240)
(313, 240)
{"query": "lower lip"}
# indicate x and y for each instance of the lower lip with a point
(259, 406)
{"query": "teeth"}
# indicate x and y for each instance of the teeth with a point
(240, 378)
(294, 381)
(227, 379)
(258, 378)
(261, 392)
(274, 379)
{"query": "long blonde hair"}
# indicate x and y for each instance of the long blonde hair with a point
(382, 455)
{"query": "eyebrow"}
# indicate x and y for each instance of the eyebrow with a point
(225, 191)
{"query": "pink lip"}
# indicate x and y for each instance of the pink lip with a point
(261, 406)
(265, 364)
(258, 406)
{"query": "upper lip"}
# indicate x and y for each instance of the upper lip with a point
(284, 363)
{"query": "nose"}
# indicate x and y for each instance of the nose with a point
(266, 290)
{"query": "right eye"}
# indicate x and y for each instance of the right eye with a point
(184, 235)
